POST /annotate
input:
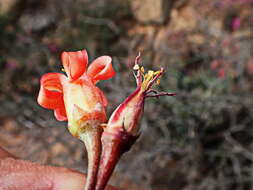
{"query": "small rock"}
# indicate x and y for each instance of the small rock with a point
(151, 11)
(184, 19)
(37, 21)
(196, 39)
(39, 15)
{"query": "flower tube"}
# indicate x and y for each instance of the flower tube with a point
(76, 99)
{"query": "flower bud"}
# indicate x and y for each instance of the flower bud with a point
(123, 127)
(127, 116)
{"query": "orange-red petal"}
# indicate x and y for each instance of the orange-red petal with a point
(51, 94)
(60, 113)
(103, 98)
(101, 69)
(75, 63)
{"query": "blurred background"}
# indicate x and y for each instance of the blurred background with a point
(199, 140)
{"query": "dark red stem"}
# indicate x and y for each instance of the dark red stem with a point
(91, 139)
(114, 145)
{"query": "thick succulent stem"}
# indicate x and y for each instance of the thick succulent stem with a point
(91, 138)
(114, 145)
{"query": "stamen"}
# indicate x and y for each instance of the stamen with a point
(160, 94)
(138, 76)
(147, 80)
(137, 59)
(159, 73)
(152, 91)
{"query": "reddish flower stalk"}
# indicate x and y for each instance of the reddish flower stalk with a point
(91, 138)
(122, 129)
(75, 98)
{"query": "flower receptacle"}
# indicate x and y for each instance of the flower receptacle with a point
(114, 146)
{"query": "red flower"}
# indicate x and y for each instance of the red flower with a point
(76, 98)
(123, 127)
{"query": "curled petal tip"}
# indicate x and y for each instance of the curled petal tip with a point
(60, 114)
(75, 63)
(101, 69)
(50, 94)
